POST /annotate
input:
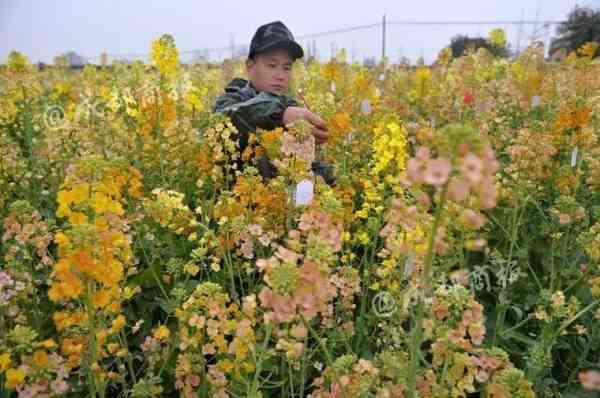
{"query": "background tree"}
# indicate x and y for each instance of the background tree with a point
(460, 43)
(582, 26)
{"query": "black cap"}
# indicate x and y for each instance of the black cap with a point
(274, 35)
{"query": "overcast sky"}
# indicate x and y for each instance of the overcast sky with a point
(44, 29)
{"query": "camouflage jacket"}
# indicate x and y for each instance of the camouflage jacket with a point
(250, 109)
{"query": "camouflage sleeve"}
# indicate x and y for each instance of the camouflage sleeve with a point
(264, 111)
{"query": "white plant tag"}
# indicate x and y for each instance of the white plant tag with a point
(382, 77)
(432, 122)
(574, 156)
(304, 193)
(536, 101)
(365, 107)
(349, 138)
(332, 87)
(408, 266)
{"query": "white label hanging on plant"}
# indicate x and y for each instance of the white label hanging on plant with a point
(382, 77)
(365, 107)
(332, 87)
(408, 266)
(304, 193)
(432, 122)
(536, 101)
(574, 156)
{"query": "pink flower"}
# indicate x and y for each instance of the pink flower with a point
(194, 380)
(490, 163)
(437, 171)
(299, 332)
(458, 190)
(482, 376)
(415, 169)
(440, 245)
(286, 255)
(590, 380)
(423, 199)
(471, 168)
(477, 333)
(564, 219)
(473, 219)
(487, 193)
(208, 349)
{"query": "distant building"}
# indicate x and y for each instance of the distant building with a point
(75, 61)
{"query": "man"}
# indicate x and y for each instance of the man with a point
(261, 101)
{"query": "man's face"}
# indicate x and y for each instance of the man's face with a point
(271, 71)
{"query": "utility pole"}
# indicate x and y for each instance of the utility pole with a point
(520, 32)
(383, 39)
(534, 32)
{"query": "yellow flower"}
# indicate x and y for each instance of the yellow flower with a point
(422, 81)
(191, 269)
(100, 203)
(4, 361)
(40, 358)
(162, 332)
(77, 218)
(165, 55)
(363, 237)
(118, 323)
(101, 298)
(49, 343)
(64, 198)
(498, 37)
(14, 378)
(17, 62)
(225, 365)
(61, 239)
(80, 193)
(113, 347)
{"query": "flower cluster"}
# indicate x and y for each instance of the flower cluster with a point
(297, 276)
(165, 55)
(168, 210)
(216, 340)
(32, 367)
(95, 256)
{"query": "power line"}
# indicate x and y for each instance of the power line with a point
(424, 23)
(353, 29)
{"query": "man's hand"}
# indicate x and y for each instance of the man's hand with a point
(293, 113)
(321, 136)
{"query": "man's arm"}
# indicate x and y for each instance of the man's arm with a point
(264, 110)
(268, 111)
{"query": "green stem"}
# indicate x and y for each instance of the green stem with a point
(254, 389)
(328, 356)
(303, 366)
(91, 313)
(153, 271)
(575, 317)
(417, 329)
(123, 339)
(518, 325)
